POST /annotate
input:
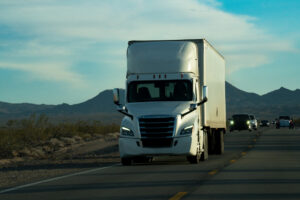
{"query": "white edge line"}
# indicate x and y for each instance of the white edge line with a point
(55, 179)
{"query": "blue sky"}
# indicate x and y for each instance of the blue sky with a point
(54, 51)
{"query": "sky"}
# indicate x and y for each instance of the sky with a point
(54, 51)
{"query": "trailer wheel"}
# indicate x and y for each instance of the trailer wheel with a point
(126, 161)
(211, 141)
(219, 136)
(204, 155)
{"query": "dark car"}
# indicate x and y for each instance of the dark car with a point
(240, 122)
(264, 123)
(283, 121)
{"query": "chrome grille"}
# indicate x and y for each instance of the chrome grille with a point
(160, 127)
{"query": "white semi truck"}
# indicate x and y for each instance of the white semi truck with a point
(168, 109)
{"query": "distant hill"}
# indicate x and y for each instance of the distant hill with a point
(10, 108)
(278, 102)
(282, 96)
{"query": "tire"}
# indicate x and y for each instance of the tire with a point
(194, 159)
(126, 161)
(204, 155)
(219, 136)
(211, 141)
(143, 159)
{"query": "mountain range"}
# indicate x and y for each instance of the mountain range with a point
(269, 106)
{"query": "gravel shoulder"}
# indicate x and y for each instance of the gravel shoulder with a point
(68, 158)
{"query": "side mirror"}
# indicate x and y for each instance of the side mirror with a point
(116, 95)
(204, 95)
(204, 92)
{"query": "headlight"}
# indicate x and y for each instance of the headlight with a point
(187, 130)
(231, 122)
(248, 122)
(126, 131)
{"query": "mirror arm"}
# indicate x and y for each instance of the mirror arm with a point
(188, 112)
(202, 101)
(127, 114)
(198, 104)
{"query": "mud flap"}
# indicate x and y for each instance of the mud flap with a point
(216, 142)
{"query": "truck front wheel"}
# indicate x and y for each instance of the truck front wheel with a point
(204, 155)
(126, 161)
(194, 159)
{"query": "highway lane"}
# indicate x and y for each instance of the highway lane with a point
(271, 170)
(254, 164)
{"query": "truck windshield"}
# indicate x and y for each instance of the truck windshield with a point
(170, 90)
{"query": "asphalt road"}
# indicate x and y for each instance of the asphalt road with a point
(263, 164)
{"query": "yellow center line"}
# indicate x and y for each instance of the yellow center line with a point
(250, 146)
(244, 153)
(254, 140)
(213, 172)
(178, 196)
(232, 161)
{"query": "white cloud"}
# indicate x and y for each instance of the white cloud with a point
(115, 21)
(57, 72)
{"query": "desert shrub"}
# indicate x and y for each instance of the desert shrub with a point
(36, 130)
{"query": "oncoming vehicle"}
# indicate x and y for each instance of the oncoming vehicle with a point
(253, 122)
(168, 110)
(240, 122)
(283, 121)
(264, 123)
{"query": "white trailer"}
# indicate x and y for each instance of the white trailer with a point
(168, 109)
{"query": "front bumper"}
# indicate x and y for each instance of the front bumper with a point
(131, 147)
(240, 127)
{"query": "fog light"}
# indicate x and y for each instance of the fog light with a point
(126, 131)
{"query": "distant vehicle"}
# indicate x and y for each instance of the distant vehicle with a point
(284, 121)
(264, 123)
(240, 122)
(253, 122)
